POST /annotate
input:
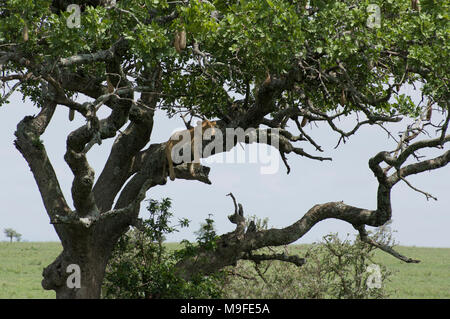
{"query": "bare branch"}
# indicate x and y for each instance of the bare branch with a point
(427, 195)
(365, 238)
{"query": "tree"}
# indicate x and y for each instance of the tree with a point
(11, 233)
(18, 236)
(264, 67)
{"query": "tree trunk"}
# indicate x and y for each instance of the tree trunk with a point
(88, 234)
(85, 254)
(57, 276)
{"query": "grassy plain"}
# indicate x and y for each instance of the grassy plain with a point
(21, 266)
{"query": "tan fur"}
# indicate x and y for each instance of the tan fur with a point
(172, 142)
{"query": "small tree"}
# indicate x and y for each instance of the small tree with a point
(143, 267)
(336, 269)
(11, 233)
(18, 236)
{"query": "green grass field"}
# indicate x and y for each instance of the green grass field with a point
(21, 266)
(428, 279)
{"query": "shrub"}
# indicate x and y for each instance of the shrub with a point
(334, 269)
(143, 267)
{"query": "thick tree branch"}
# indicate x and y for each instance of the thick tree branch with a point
(121, 163)
(257, 258)
(29, 144)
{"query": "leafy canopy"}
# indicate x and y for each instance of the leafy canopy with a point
(243, 40)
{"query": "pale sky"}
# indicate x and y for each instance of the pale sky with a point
(280, 197)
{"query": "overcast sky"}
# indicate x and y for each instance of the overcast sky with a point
(280, 197)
